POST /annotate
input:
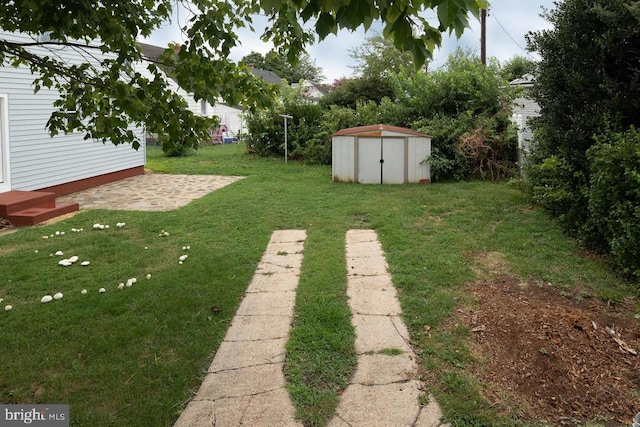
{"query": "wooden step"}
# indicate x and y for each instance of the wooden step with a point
(17, 200)
(36, 215)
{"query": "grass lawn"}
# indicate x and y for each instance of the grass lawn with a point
(133, 357)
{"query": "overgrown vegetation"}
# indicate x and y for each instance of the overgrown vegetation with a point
(465, 106)
(588, 88)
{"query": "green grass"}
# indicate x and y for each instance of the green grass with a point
(134, 357)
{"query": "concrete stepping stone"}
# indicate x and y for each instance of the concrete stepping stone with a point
(384, 390)
(245, 383)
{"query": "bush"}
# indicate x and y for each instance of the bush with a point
(467, 146)
(614, 198)
(266, 128)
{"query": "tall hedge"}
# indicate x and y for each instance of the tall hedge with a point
(588, 89)
(588, 82)
(613, 223)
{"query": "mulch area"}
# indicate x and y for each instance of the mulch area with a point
(551, 357)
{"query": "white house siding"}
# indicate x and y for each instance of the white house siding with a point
(524, 109)
(38, 160)
(230, 116)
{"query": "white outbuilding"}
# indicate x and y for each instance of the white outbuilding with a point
(380, 154)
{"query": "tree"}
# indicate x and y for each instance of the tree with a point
(379, 58)
(304, 68)
(106, 97)
(517, 67)
(349, 92)
(588, 82)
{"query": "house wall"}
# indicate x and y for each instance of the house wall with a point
(524, 109)
(230, 116)
(38, 160)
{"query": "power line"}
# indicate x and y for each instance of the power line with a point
(509, 35)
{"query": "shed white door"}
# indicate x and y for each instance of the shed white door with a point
(369, 156)
(5, 183)
(381, 160)
(393, 157)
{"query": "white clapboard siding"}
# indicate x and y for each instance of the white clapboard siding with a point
(524, 109)
(38, 160)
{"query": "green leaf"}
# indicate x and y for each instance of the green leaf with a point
(325, 25)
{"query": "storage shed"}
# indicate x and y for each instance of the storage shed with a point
(380, 154)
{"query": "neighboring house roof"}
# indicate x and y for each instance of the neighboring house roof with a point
(526, 80)
(311, 90)
(152, 52)
(268, 76)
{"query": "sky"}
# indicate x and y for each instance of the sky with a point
(507, 23)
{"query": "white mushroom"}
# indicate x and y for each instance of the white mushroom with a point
(59, 253)
(121, 286)
(35, 252)
(46, 299)
(148, 276)
(183, 257)
(106, 226)
(85, 263)
(96, 226)
(57, 233)
(133, 280)
(102, 290)
(129, 283)
(7, 307)
(73, 258)
(83, 292)
(58, 295)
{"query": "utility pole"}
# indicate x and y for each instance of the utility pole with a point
(285, 116)
(483, 36)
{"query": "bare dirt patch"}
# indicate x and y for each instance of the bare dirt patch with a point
(553, 358)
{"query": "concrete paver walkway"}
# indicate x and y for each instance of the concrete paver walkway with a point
(149, 192)
(245, 383)
(384, 390)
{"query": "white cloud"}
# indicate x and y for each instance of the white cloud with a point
(507, 24)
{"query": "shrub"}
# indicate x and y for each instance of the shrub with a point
(614, 198)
